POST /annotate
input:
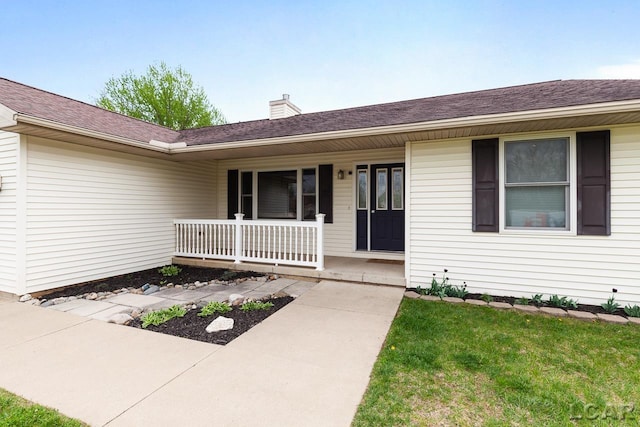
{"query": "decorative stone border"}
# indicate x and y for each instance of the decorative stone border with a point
(552, 311)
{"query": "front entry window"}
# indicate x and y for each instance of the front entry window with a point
(381, 191)
(277, 194)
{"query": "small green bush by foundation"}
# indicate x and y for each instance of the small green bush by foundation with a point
(564, 302)
(161, 316)
(170, 270)
(611, 305)
(256, 305)
(632, 311)
(486, 297)
(214, 307)
(537, 300)
(443, 288)
(522, 301)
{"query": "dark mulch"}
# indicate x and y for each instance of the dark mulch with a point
(192, 326)
(188, 274)
(581, 307)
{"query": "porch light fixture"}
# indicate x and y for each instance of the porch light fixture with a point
(340, 174)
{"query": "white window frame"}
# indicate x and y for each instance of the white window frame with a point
(572, 202)
(299, 203)
(393, 170)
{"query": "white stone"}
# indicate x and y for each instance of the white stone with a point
(26, 297)
(221, 323)
(236, 299)
(92, 296)
(120, 319)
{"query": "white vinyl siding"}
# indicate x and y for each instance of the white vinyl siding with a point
(94, 213)
(339, 236)
(522, 264)
(9, 143)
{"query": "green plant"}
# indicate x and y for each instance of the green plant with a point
(443, 288)
(161, 316)
(537, 300)
(562, 302)
(486, 297)
(522, 301)
(611, 305)
(214, 307)
(256, 305)
(170, 270)
(632, 311)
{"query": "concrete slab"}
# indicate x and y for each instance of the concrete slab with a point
(105, 315)
(134, 300)
(94, 370)
(299, 287)
(23, 323)
(170, 293)
(355, 297)
(313, 367)
(82, 307)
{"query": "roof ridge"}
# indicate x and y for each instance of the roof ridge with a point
(88, 104)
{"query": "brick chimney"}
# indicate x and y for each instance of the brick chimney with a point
(282, 108)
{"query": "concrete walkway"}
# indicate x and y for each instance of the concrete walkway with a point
(308, 364)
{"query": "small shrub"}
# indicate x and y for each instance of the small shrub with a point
(562, 302)
(486, 297)
(632, 311)
(214, 307)
(256, 305)
(170, 270)
(611, 305)
(443, 288)
(161, 316)
(522, 301)
(537, 300)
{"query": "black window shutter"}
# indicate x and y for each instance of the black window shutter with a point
(485, 185)
(594, 183)
(232, 193)
(325, 192)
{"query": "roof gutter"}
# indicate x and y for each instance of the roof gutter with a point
(49, 124)
(543, 114)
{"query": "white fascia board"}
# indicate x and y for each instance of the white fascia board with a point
(550, 113)
(167, 145)
(49, 124)
(7, 117)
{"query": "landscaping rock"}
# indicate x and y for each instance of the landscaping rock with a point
(635, 320)
(151, 289)
(429, 298)
(221, 323)
(412, 295)
(280, 294)
(145, 287)
(136, 313)
(236, 299)
(612, 318)
(120, 319)
(26, 297)
(500, 305)
(553, 311)
(92, 296)
(582, 315)
(47, 303)
(475, 302)
(33, 301)
(453, 300)
(526, 308)
(59, 300)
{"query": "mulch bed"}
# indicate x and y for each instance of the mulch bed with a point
(192, 326)
(595, 309)
(152, 276)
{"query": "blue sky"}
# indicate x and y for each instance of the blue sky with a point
(325, 54)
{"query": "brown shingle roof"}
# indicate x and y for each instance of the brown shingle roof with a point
(46, 105)
(553, 94)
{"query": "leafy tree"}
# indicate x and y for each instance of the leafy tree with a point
(164, 96)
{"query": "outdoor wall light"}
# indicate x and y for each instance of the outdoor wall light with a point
(340, 174)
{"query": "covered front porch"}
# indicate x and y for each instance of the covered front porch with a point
(359, 270)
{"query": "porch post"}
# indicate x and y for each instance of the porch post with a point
(320, 242)
(237, 252)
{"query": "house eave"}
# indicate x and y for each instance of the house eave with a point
(410, 128)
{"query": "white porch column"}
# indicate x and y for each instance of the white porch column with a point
(238, 234)
(320, 242)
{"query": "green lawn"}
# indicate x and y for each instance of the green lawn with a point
(461, 365)
(15, 411)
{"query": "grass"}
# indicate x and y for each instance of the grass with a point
(461, 365)
(16, 411)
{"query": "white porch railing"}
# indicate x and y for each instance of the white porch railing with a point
(298, 243)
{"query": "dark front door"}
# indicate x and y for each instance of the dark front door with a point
(387, 207)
